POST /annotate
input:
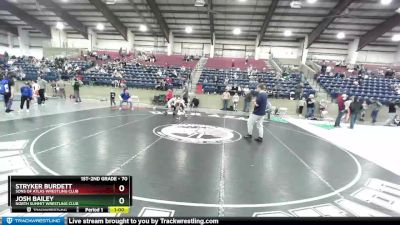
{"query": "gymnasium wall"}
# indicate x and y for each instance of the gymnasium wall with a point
(283, 49)
(328, 51)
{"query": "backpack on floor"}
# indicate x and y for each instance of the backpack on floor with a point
(4, 88)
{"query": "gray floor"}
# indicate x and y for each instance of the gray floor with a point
(292, 169)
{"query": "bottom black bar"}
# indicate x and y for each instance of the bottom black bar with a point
(59, 210)
(226, 221)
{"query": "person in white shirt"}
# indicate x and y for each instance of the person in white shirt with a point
(347, 104)
(35, 89)
(235, 100)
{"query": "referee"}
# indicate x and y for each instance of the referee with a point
(257, 117)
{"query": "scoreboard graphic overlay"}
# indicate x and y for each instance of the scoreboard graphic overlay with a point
(70, 194)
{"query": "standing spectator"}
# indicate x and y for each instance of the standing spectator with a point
(61, 89)
(7, 90)
(247, 100)
(112, 98)
(323, 67)
(310, 106)
(53, 85)
(355, 109)
(363, 110)
(6, 57)
(300, 106)
(225, 98)
(76, 86)
(392, 114)
(42, 90)
(347, 104)
(233, 63)
(235, 100)
(35, 89)
(185, 95)
(342, 109)
(375, 106)
(260, 107)
(26, 96)
(323, 108)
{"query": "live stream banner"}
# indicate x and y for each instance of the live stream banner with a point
(69, 194)
(226, 221)
(193, 221)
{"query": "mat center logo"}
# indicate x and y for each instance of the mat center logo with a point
(197, 133)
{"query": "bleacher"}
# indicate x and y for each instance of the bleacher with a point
(283, 86)
(136, 76)
(172, 60)
(226, 62)
(31, 72)
(84, 65)
(379, 88)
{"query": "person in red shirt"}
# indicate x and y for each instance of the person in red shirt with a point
(169, 95)
(342, 109)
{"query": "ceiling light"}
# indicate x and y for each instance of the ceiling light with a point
(287, 33)
(143, 28)
(189, 30)
(396, 37)
(242, 0)
(237, 31)
(59, 25)
(341, 35)
(311, 1)
(100, 26)
(398, 10)
(386, 2)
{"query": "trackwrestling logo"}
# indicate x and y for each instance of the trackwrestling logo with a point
(197, 133)
(33, 220)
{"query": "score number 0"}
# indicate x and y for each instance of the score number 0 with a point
(121, 200)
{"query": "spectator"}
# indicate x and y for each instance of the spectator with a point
(42, 90)
(310, 106)
(375, 106)
(185, 95)
(235, 100)
(61, 89)
(300, 106)
(195, 102)
(392, 114)
(323, 67)
(355, 109)
(125, 97)
(323, 107)
(169, 95)
(226, 96)
(26, 96)
(347, 104)
(247, 100)
(342, 108)
(76, 86)
(363, 110)
(7, 90)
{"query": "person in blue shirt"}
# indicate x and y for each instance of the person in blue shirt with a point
(125, 97)
(26, 96)
(257, 117)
